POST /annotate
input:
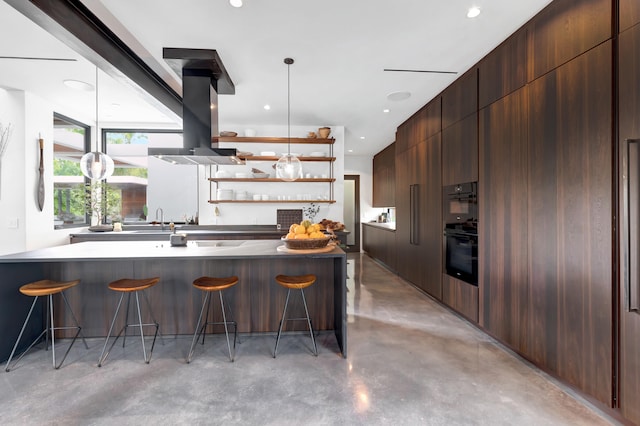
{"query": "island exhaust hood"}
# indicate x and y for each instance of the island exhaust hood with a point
(203, 78)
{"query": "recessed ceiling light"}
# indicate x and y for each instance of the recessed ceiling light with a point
(385, 110)
(79, 85)
(349, 150)
(267, 107)
(473, 12)
(235, 3)
(398, 96)
(361, 137)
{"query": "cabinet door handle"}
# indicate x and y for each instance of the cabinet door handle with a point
(414, 219)
(632, 288)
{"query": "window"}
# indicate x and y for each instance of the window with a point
(71, 140)
(144, 183)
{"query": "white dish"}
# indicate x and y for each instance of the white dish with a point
(260, 175)
(267, 154)
(317, 154)
(241, 175)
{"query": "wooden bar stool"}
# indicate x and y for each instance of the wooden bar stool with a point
(47, 288)
(293, 282)
(129, 286)
(209, 285)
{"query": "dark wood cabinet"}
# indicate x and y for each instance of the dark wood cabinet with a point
(566, 29)
(418, 216)
(502, 193)
(629, 14)
(460, 296)
(629, 287)
(380, 243)
(384, 177)
(460, 151)
(504, 69)
(570, 222)
(460, 99)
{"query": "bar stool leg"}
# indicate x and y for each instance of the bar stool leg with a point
(126, 319)
(53, 339)
(75, 320)
(313, 340)
(284, 312)
(226, 330)
(20, 337)
(199, 330)
(103, 356)
(153, 318)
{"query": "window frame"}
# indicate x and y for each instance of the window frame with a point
(87, 148)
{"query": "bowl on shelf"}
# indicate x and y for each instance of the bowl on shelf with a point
(260, 175)
(317, 154)
(228, 134)
(306, 244)
(268, 154)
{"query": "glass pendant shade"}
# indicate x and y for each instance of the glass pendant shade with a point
(96, 165)
(289, 168)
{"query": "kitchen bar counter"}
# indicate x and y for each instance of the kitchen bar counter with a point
(256, 302)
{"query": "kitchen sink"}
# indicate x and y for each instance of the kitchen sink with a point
(228, 243)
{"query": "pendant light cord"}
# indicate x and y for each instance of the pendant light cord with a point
(97, 122)
(288, 61)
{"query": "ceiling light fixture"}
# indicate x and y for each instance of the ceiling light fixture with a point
(96, 165)
(361, 137)
(398, 96)
(79, 85)
(235, 3)
(385, 110)
(473, 12)
(289, 167)
(267, 107)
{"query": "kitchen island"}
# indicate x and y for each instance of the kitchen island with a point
(257, 301)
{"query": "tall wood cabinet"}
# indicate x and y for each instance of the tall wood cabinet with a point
(384, 177)
(570, 222)
(503, 183)
(418, 203)
(629, 286)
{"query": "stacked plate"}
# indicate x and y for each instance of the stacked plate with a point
(317, 154)
(225, 194)
(241, 195)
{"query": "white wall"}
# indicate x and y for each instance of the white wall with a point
(22, 225)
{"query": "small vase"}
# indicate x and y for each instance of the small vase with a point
(324, 132)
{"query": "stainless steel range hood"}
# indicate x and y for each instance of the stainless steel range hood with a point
(203, 78)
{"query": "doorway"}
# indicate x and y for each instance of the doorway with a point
(352, 212)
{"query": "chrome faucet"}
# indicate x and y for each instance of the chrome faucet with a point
(159, 209)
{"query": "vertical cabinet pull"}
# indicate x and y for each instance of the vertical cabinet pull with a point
(414, 212)
(632, 289)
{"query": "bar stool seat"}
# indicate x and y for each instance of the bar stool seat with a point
(295, 282)
(209, 285)
(130, 286)
(48, 288)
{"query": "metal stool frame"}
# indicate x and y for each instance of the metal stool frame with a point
(283, 319)
(196, 334)
(49, 329)
(140, 324)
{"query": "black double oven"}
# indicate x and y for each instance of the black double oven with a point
(460, 209)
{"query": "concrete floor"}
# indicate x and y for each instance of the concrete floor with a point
(410, 362)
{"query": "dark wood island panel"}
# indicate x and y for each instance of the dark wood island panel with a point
(257, 301)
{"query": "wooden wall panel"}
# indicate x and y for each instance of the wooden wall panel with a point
(502, 193)
(566, 29)
(431, 220)
(460, 296)
(460, 151)
(460, 99)
(629, 122)
(503, 70)
(384, 177)
(629, 14)
(570, 222)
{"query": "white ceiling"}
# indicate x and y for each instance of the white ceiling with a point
(340, 48)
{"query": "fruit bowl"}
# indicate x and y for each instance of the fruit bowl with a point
(306, 243)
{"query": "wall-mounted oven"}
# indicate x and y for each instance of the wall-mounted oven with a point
(461, 256)
(460, 205)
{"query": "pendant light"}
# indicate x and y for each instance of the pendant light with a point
(289, 167)
(96, 165)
